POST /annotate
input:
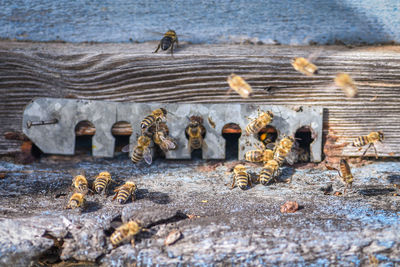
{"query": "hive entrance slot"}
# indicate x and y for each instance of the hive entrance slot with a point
(121, 131)
(84, 132)
(231, 132)
(268, 134)
(304, 137)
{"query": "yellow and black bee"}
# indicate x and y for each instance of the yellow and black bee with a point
(262, 120)
(259, 155)
(156, 115)
(269, 172)
(142, 150)
(240, 177)
(168, 41)
(77, 200)
(123, 192)
(101, 182)
(80, 184)
(161, 138)
(125, 232)
(283, 149)
(304, 66)
(345, 174)
(195, 133)
(370, 139)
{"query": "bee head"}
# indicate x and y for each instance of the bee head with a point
(381, 136)
(164, 111)
(239, 168)
(144, 140)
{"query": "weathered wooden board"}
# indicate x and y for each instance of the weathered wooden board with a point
(197, 74)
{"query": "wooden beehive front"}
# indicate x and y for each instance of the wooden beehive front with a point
(197, 74)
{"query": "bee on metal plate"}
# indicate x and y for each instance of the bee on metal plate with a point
(77, 200)
(269, 172)
(195, 132)
(370, 139)
(239, 85)
(123, 192)
(344, 81)
(240, 177)
(102, 182)
(162, 139)
(283, 150)
(156, 116)
(125, 233)
(168, 41)
(141, 150)
(262, 120)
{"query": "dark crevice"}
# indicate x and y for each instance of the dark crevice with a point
(179, 216)
(231, 132)
(304, 137)
(51, 255)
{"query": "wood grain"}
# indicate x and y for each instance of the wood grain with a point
(197, 74)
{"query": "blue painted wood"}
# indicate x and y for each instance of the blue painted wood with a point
(287, 22)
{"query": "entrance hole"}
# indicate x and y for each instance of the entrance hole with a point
(84, 132)
(268, 134)
(304, 137)
(121, 131)
(231, 132)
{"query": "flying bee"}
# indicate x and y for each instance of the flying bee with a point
(269, 172)
(141, 150)
(259, 155)
(240, 177)
(169, 39)
(370, 139)
(101, 182)
(156, 116)
(239, 85)
(262, 120)
(125, 232)
(304, 66)
(195, 132)
(77, 200)
(123, 192)
(162, 139)
(80, 183)
(344, 81)
(283, 150)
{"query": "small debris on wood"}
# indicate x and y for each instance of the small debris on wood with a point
(192, 216)
(391, 154)
(211, 122)
(289, 207)
(172, 237)
(15, 136)
(204, 201)
(374, 98)
(298, 108)
(337, 193)
(2, 175)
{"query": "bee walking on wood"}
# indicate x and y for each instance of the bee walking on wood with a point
(77, 200)
(304, 66)
(269, 171)
(168, 41)
(344, 173)
(370, 139)
(156, 116)
(125, 233)
(124, 192)
(283, 150)
(80, 184)
(262, 154)
(239, 85)
(102, 182)
(344, 81)
(195, 133)
(262, 120)
(161, 138)
(240, 177)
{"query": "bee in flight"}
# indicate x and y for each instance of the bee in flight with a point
(123, 192)
(262, 120)
(370, 139)
(77, 200)
(240, 177)
(141, 150)
(195, 133)
(102, 182)
(162, 139)
(168, 41)
(125, 233)
(344, 81)
(304, 66)
(262, 154)
(269, 171)
(284, 150)
(156, 116)
(239, 85)
(80, 184)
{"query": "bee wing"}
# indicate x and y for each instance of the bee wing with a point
(270, 146)
(147, 156)
(169, 143)
(126, 148)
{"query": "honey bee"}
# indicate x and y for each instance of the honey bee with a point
(162, 139)
(238, 84)
(123, 192)
(268, 172)
(101, 182)
(304, 66)
(345, 174)
(169, 39)
(344, 81)
(156, 115)
(240, 177)
(262, 120)
(370, 139)
(77, 200)
(259, 155)
(80, 184)
(195, 132)
(141, 150)
(125, 232)
(283, 149)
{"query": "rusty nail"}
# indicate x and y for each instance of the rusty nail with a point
(32, 123)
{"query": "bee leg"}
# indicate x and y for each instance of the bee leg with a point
(158, 47)
(366, 150)
(233, 182)
(376, 152)
(133, 242)
(249, 179)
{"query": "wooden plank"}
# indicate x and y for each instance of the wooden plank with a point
(197, 74)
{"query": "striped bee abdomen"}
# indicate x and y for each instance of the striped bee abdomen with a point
(137, 155)
(242, 180)
(253, 127)
(100, 184)
(117, 237)
(254, 156)
(360, 141)
(123, 195)
(196, 142)
(147, 122)
(266, 175)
